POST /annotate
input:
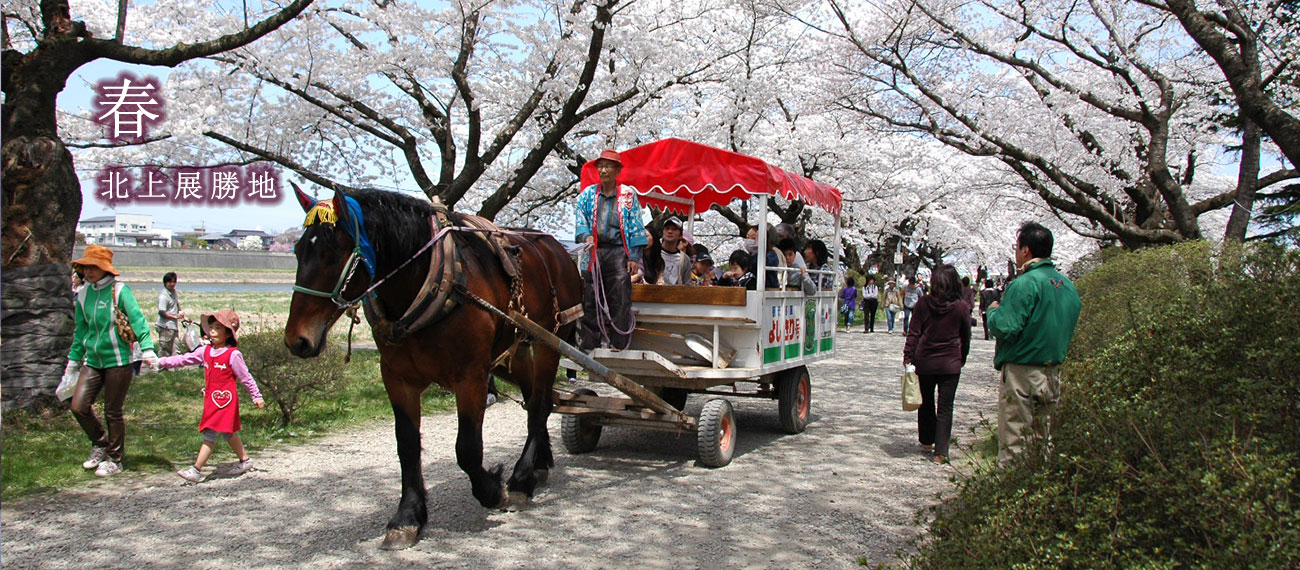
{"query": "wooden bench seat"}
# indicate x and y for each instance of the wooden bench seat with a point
(688, 295)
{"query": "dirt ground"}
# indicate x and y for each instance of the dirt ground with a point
(850, 486)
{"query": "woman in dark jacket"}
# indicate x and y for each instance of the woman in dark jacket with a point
(937, 344)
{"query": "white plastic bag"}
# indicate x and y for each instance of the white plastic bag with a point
(68, 384)
(911, 389)
(193, 339)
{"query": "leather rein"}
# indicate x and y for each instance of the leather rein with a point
(443, 282)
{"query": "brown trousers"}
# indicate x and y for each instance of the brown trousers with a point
(114, 382)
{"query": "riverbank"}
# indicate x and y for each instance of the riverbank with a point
(153, 274)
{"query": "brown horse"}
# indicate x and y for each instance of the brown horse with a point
(400, 256)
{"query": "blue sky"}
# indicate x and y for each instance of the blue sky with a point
(272, 218)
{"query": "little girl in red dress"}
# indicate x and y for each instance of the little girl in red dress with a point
(222, 365)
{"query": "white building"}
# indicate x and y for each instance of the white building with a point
(124, 230)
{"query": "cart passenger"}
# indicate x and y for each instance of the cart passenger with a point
(816, 255)
(787, 231)
(667, 260)
(703, 273)
(797, 279)
(740, 271)
(774, 259)
(608, 220)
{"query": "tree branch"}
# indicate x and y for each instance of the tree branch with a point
(183, 52)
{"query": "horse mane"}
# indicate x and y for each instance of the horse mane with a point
(398, 224)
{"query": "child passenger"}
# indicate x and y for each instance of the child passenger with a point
(222, 364)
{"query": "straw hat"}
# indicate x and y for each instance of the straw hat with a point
(97, 256)
(611, 156)
(226, 317)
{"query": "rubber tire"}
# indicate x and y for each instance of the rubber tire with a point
(676, 397)
(716, 438)
(580, 434)
(794, 399)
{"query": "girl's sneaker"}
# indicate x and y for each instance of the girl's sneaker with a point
(108, 468)
(242, 467)
(97, 456)
(190, 474)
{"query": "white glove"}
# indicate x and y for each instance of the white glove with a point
(73, 367)
(150, 358)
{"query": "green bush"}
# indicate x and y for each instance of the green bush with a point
(1175, 444)
(286, 380)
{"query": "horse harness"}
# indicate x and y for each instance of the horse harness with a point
(444, 288)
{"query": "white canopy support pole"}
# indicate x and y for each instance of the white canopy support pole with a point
(761, 251)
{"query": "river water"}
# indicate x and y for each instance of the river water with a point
(206, 287)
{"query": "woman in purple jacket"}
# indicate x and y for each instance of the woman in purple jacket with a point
(937, 344)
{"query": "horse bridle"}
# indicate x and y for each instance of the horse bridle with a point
(345, 277)
(357, 257)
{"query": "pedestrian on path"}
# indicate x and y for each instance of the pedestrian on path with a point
(988, 296)
(870, 302)
(223, 363)
(849, 301)
(937, 344)
(97, 341)
(911, 294)
(893, 303)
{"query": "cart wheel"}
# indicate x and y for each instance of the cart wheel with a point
(794, 399)
(580, 434)
(675, 397)
(716, 439)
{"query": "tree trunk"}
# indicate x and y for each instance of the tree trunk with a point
(41, 203)
(1247, 180)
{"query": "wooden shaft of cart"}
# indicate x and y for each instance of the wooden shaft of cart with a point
(635, 391)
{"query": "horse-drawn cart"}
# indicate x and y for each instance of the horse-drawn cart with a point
(410, 266)
(721, 342)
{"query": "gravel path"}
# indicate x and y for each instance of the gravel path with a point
(849, 486)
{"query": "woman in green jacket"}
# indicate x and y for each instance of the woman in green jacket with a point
(107, 356)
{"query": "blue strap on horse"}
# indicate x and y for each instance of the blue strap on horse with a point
(357, 230)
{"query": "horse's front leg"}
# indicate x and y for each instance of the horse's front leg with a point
(412, 513)
(471, 400)
(535, 376)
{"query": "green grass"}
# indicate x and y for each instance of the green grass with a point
(43, 453)
(129, 271)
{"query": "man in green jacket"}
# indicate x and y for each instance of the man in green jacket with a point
(1033, 325)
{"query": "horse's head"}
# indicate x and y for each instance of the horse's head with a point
(328, 276)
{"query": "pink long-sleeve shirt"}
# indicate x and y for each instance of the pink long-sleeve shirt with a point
(236, 365)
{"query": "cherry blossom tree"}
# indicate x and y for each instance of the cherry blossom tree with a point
(1255, 46)
(470, 102)
(42, 46)
(1103, 109)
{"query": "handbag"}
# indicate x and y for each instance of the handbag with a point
(911, 389)
(120, 319)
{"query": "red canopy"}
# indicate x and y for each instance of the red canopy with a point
(709, 176)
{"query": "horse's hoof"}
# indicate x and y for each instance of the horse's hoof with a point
(504, 503)
(400, 538)
(516, 501)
